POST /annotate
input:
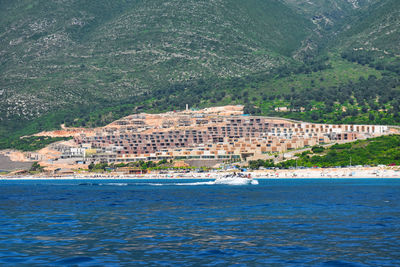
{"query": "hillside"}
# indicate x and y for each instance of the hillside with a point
(377, 30)
(374, 38)
(88, 63)
(58, 53)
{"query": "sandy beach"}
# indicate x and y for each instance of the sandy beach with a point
(320, 173)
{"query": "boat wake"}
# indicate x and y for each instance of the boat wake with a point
(197, 183)
(218, 181)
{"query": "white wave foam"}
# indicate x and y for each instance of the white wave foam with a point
(233, 182)
(214, 182)
(197, 183)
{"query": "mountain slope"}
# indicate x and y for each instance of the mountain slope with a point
(85, 63)
(58, 53)
(329, 18)
(375, 30)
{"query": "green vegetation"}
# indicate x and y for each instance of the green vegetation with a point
(143, 165)
(309, 91)
(31, 143)
(87, 63)
(376, 31)
(36, 167)
(317, 149)
(383, 150)
(83, 53)
(369, 100)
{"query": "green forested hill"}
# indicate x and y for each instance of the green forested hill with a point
(88, 62)
(377, 29)
(55, 53)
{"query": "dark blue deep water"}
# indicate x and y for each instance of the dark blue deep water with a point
(299, 222)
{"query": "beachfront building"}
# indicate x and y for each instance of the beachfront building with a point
(220, 134)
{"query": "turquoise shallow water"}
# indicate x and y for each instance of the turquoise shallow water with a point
(293, 222)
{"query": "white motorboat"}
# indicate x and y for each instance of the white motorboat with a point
(236, 179)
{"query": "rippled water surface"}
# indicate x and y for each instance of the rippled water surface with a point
(339, 222)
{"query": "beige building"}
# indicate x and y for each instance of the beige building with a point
(221, 133)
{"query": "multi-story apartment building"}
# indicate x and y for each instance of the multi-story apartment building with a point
(209, 135)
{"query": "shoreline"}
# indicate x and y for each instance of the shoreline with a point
(317, 173)
(178, 179)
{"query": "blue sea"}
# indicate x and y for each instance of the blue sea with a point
(283, 222)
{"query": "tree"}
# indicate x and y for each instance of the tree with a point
(36, 167)
(91, 166)
(371, 117)
(317, 149)
(314, 116)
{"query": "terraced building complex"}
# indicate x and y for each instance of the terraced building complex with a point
(222, 133)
